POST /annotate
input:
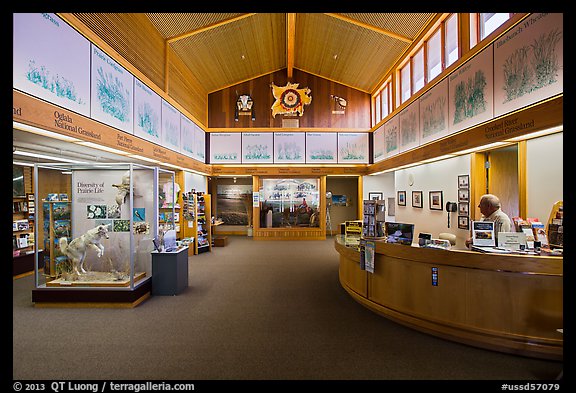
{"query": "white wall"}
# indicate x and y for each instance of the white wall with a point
(194, 181)
(544, 174)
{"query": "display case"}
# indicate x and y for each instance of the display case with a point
(99, 239)
(168, 206)
(290, 208)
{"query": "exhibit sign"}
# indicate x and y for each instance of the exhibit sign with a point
(471, 92)
(147, 113)
(409, 120)
(529, 62)
(199, 144)
(257, 147)
(321, 147)
(170, 127)
(51, 61)
(289, 147)
(353, 147)
(434, 113)
(186, 136)
(379, 144)
(391, 137)
(225, 148)
(112, 92)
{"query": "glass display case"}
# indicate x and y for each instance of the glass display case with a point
(98, 226)
(289, 203)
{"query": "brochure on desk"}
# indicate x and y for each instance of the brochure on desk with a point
(483, 234)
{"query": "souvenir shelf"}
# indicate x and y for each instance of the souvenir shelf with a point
(197, 218)
(113, 199)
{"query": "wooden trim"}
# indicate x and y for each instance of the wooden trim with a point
(371, 27)
(207, 28)
(522, 179)
(291, 38)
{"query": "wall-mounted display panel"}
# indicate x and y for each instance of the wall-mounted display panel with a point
(186, 136)
(112, 93)
(528, 62)
(391, 137)
(225, 148)
(471, 92)
(42, 64)
(321, 147)
(353, 147)
(290, 147)
(410, 127)
(147, 113)
(290, 203)
(199, 144)
(379, 144)
(170, 126)
(434, 113)
(257, 147)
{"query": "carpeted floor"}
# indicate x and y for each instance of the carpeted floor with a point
(254, 310)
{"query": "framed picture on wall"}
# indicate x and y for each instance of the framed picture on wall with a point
(463, 222)
(375, 196)
(401, 198)
(463, 209)
(435, 200)
(463, 181)
(417, 199)
(463, 195)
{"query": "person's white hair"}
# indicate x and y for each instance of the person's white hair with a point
(490, 200)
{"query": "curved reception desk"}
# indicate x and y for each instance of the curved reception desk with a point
(503, 302)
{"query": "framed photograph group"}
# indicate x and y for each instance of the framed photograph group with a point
(463, 201)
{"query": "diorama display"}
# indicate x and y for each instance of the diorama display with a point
(99, 223)
(286, 203)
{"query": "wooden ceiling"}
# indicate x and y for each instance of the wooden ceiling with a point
(354, 49)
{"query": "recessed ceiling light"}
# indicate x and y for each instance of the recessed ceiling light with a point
(335, 57)
(243, 57)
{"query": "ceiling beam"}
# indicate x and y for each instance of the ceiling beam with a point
(370, 27)
(208, 27)
(290, 39)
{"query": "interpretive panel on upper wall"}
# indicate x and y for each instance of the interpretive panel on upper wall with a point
(170, 126)
(434, 113)
(112, 92)
(186, 136)
(289, 147)
(257, 147)
(353, 148)
(528, 62)
(199, 144)
(410, 127)
(379, 144)
(51, 61)
(471, 92)
(147, 113)
(391, 137)
(321, 147)
(225, 148)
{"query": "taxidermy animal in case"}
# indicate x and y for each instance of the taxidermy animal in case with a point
(76, 250)
(123, 190)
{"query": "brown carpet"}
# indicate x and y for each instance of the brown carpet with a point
(254, 310)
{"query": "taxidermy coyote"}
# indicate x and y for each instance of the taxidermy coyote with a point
(76, 250)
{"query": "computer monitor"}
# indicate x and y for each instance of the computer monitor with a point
(398, 232)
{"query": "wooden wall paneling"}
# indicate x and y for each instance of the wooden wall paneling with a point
(316, 115)
(522, 193)
(477, 183)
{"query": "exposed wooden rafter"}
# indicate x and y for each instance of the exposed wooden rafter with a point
(290, 39)
(209, 27)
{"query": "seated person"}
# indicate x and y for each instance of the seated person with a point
(490, 208)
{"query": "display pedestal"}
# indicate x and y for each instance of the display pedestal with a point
(169, 272)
